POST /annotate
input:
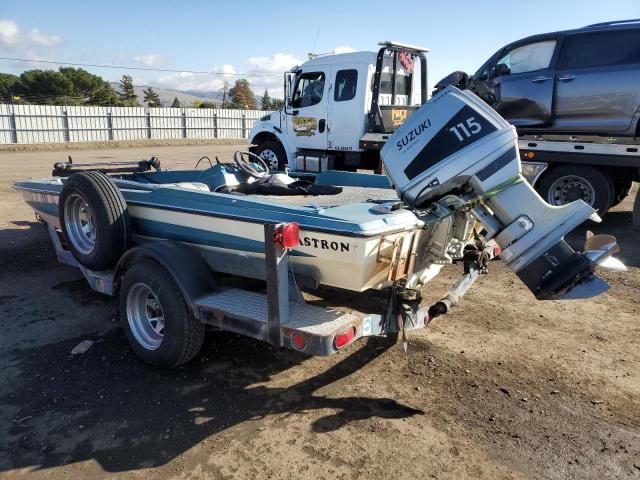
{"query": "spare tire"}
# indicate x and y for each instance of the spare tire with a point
(94, 220)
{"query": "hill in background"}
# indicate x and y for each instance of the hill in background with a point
(186, 99)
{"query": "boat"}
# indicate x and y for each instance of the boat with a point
(452, 193)
(356, 231)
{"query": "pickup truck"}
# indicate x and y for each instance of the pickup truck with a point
(574, 97)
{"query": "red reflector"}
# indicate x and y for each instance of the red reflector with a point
(287, 235)
(345, 337)
(298, 341)
(496, 250)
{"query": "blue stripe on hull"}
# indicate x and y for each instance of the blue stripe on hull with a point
(151, 228)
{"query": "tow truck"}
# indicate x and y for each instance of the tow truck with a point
(340, 110)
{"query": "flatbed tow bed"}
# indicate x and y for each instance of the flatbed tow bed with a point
(598, 170)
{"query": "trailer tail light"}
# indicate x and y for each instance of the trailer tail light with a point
(298, 341)
(287, 235)
(344, 338)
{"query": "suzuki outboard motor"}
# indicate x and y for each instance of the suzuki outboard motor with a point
(456, 146)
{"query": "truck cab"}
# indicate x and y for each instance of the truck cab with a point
(340, 109)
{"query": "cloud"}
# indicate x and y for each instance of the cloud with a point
(261, 72)
(35, 36)
(8, 32)
(150, 60)
(228, 69)
(277, 63)
(10, 35)
(343, 49)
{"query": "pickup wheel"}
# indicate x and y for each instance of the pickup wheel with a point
(155, 316)
(94, 220)
(567, 183)
(273, 153)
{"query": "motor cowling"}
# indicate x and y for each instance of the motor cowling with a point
(456, 144)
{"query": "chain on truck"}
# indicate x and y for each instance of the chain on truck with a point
(340, 109)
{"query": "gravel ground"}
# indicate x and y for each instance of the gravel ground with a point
(503, 387)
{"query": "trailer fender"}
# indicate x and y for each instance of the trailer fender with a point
(187, 268)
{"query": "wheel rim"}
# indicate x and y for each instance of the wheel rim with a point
(270, 157)
(570, 188)
(145, 316)
(79, 221)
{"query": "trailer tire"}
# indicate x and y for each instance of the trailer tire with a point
(94, 220)
(156, 318)
(273, 153)
(567, 183)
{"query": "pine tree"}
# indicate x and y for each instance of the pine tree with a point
(151, 98)
(176, 103)
(241, 96)
(265, 103)
(225, 93)
(126, 86)
(277, 104)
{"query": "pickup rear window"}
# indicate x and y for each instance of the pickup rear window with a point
(600, 49)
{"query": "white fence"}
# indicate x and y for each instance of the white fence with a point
(56, 124)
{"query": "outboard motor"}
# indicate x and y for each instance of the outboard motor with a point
(456, 145)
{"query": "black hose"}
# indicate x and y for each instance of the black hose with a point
(202, 158)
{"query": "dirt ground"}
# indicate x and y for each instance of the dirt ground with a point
(503, 387)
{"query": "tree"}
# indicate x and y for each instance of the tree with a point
(207, 105)
(151, 98)
(127, 91)
(241, 96)
(225, 94)
(277, 104)
(265, 103)
(8, 87)
(176, 103)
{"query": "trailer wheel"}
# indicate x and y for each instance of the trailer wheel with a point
(566, 183)
(94, 220)
(155, 316)
(273, 153)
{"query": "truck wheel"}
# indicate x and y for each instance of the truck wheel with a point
(94, 220)
(566, 183)
(155, 316)
(273, 153)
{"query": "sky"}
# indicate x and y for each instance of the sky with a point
(260, 40)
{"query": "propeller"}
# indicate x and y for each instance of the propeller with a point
(600, 248)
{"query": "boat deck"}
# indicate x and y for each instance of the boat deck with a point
(347, 196)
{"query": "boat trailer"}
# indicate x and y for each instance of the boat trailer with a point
(280, 316)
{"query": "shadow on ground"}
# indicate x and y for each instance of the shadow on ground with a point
(618, 224)
(107, 406)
